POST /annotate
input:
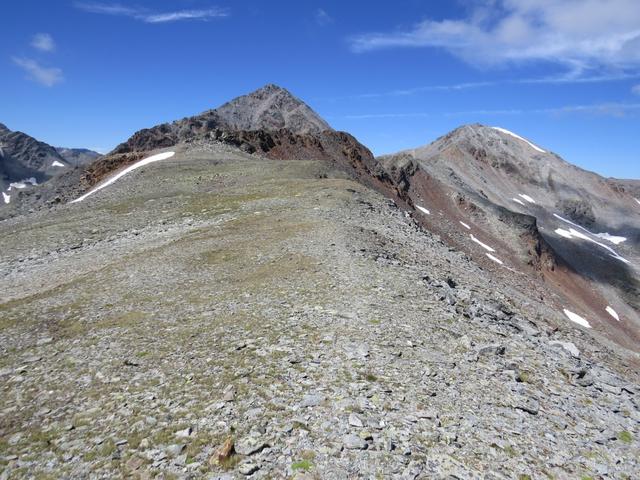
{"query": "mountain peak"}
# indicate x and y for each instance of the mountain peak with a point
(3, 128)
(271, 108)
(499, 140)
(270, 88)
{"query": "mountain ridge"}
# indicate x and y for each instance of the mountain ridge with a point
(475, 172)
(270, 304)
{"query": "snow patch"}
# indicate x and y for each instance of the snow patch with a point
(535, 147)
(22, 183)
(605, 236)
(56, 163)
(465, 225)
(527, 198)
(573, 233)
(637, 201)
(519, 201)
(141, 163)
(574, 317)
(423, 210)
(497, 260)
(483, 245)
(564, 233)
(611, 238)
(7, 198)
(612, 312)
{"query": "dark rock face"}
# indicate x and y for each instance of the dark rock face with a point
(578, 210)
(23, 157)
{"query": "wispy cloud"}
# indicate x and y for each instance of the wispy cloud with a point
(323, 18)
(426, 88)
(47, 76)
(583, 36)
(370, 116)
(43, 42)
(612, 109)
(149, 16)
(636, 89)
(609, 109)
(454, 87)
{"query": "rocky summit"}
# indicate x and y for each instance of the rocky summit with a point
(249, 293)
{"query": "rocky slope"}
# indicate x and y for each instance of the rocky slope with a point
(219, 314)
(490, 191)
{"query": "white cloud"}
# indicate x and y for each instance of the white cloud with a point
(43, 42)
(323, 18)
(47, 76)
(149, 16)
(636, 89)
(184, 15)
(583, 35)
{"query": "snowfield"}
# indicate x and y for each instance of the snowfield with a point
(612, 312)
(56, 163)
(7, 198)
(483, 245)
(141, 163)
(423, 210)
(574, 317)
(535, 147)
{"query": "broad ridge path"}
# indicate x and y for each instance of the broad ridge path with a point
(220, 295)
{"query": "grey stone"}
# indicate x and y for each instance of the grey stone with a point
(568, 346)
(355, 421)
(311, 400)
(248, 468)
(354, 442)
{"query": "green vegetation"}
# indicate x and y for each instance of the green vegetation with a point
(625, 437)
(304, 465)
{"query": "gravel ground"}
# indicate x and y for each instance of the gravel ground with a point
(218, 315)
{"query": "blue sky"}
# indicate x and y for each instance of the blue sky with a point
(563, 73)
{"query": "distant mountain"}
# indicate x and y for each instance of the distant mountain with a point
(24, 162)
(78, 156)
(268, 109)
(270, 121)
(522, 208)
